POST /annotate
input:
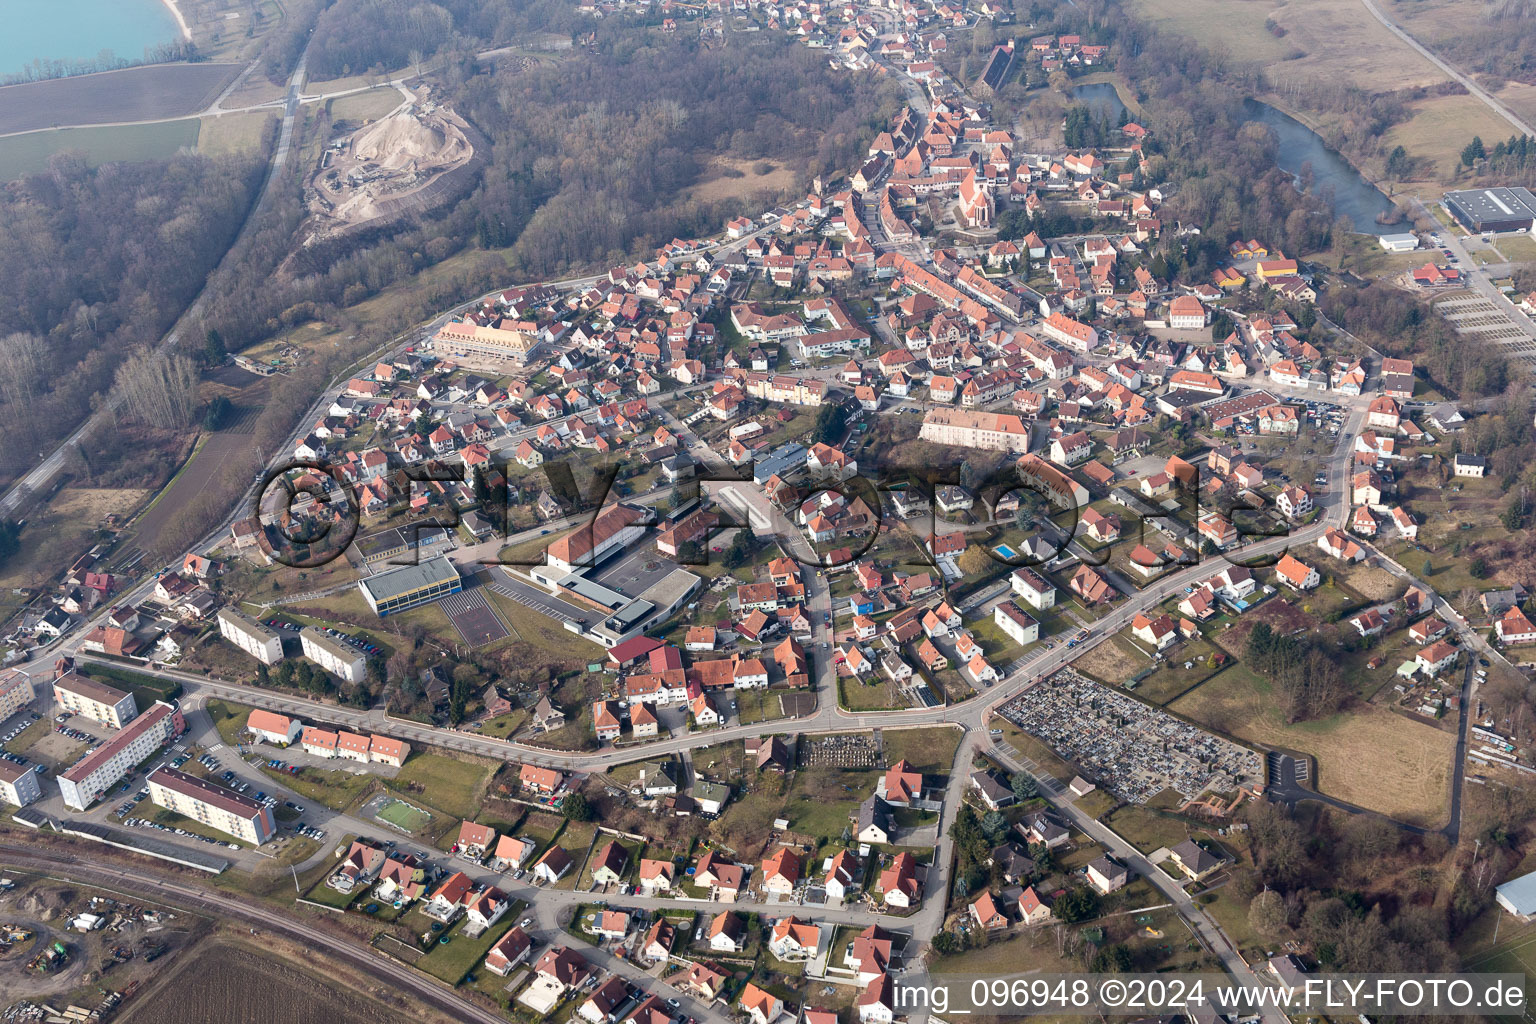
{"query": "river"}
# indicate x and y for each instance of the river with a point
(79, 30)
(1353, 196)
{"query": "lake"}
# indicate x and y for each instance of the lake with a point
(1353, 196)
(78, 30)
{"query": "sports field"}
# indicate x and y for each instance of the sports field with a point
(403, 815)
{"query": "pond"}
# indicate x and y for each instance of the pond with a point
(1103, 97)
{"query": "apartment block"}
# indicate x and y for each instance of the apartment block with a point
(212, 805)
(257, 639)
(337, 657)
(90, 779)
(16, 692)
(96, 701)
(18, 784)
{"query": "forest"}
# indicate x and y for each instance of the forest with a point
(1397, 325)
(591, 163)
(97, 263)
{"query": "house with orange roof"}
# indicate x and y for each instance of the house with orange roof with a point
(900, 785)
(988, 913)
(782, 871)
(1296, 574)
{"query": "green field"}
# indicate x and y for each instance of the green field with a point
(403, 815)
(29, 154)
(450, 785)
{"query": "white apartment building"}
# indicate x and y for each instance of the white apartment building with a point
(18, 784)
(967, 428)
(257, 639)
(99, 702)
(212, 805)
(89, 780)
(1011, 619)
(1033, 588)
(335, 656)
(16, 692)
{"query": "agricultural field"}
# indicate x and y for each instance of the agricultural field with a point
(160, 91)
(1441, 126)
(29, 154)
(232, 133)
(365, 106)
(221, 982)
(1368, 756)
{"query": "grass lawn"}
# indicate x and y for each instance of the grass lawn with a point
(822, 799)
(720, 760)
(754, 706)
(332, 787)
(461, 955)
(503, 726)
(1113, 661)
(930, 750)
(228, 719)
(1366, 755)
(575, 840)
(1033, 950)
(550, 645)
(880, 695)
(450, 785)
(630, 864)
(1172, 678)
(1146, 830)
(324, 894)
(28, 737)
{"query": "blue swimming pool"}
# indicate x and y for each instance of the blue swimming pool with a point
(1006, 551)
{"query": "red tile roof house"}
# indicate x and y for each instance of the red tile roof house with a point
(449, 898)
(512, 950)
(474, 840)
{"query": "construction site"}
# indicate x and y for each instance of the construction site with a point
(418, 155)
(68, 953)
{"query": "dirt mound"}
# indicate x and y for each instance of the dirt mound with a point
(406, 143)
(419, 156)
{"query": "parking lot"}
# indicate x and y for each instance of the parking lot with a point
(285, 627)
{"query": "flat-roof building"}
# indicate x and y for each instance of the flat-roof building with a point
(90, 777)
(410, 585)
(212, 805)
(257, 639)
(1491, 209)
(18, 784)
(82, 695)
(337, 657)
